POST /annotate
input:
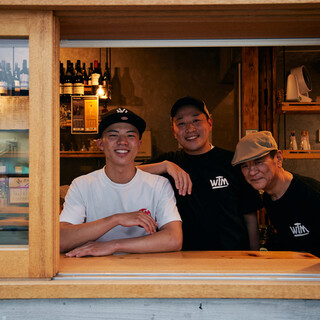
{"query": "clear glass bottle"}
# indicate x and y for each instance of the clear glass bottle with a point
(304, 144)
(293, 141)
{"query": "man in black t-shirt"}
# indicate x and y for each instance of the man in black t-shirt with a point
(219, 213)
(292, 201)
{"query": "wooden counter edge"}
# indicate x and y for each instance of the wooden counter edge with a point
(54, 289)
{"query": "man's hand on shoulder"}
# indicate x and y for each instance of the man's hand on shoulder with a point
(181, 178)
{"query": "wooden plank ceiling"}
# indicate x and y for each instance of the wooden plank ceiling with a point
(191, 22)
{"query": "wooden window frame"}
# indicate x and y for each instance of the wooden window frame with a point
(40, 258)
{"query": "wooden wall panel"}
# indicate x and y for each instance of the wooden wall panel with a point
(250, 89)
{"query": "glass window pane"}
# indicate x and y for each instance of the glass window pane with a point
(14, 141)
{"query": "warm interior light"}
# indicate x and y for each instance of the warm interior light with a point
(100, 91)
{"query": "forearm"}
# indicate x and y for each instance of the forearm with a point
(169, 238)
(155, 168)
(161, 241)
(72, 236)
(253, 232)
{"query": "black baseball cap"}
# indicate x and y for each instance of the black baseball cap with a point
(189, 101)
(122, 115)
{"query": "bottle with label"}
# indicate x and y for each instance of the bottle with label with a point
(293, 141)
(3, 80)
(24, 79)
(95, 76)
(16, 77)
(78, 86)
(68, 81)
(84, 74)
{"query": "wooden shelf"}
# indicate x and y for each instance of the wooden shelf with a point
(13, 209)
(16, 154)
(301, 154)
(299, 107)
(81, 154)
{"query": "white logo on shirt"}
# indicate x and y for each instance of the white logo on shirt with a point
(122, 110)
(219, 182)
(299, 230)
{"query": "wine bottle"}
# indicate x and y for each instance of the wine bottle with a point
(90, 74)
(107, 81)
(78, 86)
(3, 80)
(61, 79)
(84, 73)
(16, 78)
(24, 79)
(95, 76)
(68, 81)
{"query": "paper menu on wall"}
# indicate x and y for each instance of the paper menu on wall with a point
(18, 190)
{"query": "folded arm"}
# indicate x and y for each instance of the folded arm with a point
(72, 236)
(181, 178)
(168, 238)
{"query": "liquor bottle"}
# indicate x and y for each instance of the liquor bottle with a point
(61, 79)
(78, 86)
(3, 80)
(293, 141)
(95, 76)
(84, 73)
(106, 76)
(68, 81)
(24, 79)
(10, 80)
(16, 78)
(107, 81)
(90, 74)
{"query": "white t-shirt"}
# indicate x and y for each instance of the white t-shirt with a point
(94, 196)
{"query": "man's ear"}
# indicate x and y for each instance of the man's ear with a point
(210, 122)
(100, 144)
(279, 157)
(172, 130)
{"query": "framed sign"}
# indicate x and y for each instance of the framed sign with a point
(84, 114)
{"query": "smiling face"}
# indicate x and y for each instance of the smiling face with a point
(262, 173)
(191, 128)
(120, 143)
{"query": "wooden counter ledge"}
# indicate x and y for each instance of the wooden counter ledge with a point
(209, 274)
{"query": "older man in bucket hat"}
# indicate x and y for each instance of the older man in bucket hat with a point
(292, 201)
(119, 208)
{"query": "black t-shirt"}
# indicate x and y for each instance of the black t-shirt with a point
(212, 216)
(296, 215)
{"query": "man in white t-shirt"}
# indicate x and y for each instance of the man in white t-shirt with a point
(120, 208)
